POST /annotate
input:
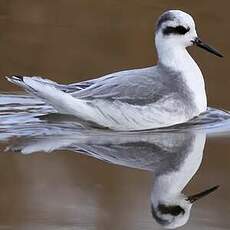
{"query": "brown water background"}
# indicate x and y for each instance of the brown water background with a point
(72, 40)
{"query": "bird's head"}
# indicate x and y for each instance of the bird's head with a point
(174, 212)
(176, 28)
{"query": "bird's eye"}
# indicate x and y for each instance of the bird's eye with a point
(174, 210)
(181, 30)
(175, 30)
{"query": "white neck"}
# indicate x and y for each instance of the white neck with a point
(168, 186)
(176, 57)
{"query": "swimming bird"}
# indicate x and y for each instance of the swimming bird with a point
(169, 93)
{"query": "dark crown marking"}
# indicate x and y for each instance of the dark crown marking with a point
(165, 18)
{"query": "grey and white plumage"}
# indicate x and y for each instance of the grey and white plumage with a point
(169, 93)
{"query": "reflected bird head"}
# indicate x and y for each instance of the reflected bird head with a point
(174, 212)
(177, 28)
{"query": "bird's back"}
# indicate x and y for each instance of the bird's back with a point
(138, 87)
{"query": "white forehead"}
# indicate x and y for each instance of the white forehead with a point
(175, 18)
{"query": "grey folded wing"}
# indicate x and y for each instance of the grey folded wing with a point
(137, 87)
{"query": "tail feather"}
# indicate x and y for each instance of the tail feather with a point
(63, 102)
(71, 88)
(19, 80)
(43, 88)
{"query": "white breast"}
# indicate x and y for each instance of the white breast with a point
(195, 82)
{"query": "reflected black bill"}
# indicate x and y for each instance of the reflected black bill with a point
(198, 196)
(202, 45)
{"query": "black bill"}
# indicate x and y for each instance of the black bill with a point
(196, 197)
(201, 44)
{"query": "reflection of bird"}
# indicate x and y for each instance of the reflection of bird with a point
(174, 157)
(169, 206)
(169, 93)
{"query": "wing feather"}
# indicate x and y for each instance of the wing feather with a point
(137, 87)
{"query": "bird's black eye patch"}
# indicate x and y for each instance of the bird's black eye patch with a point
(175, 30)
(174, 210)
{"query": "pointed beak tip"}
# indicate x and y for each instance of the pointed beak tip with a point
(219, 55)
(216, 187)
(200, 195)
(198, 42)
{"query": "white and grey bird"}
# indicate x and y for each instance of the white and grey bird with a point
(169, 93)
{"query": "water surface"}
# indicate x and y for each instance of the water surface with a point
(59, 173)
